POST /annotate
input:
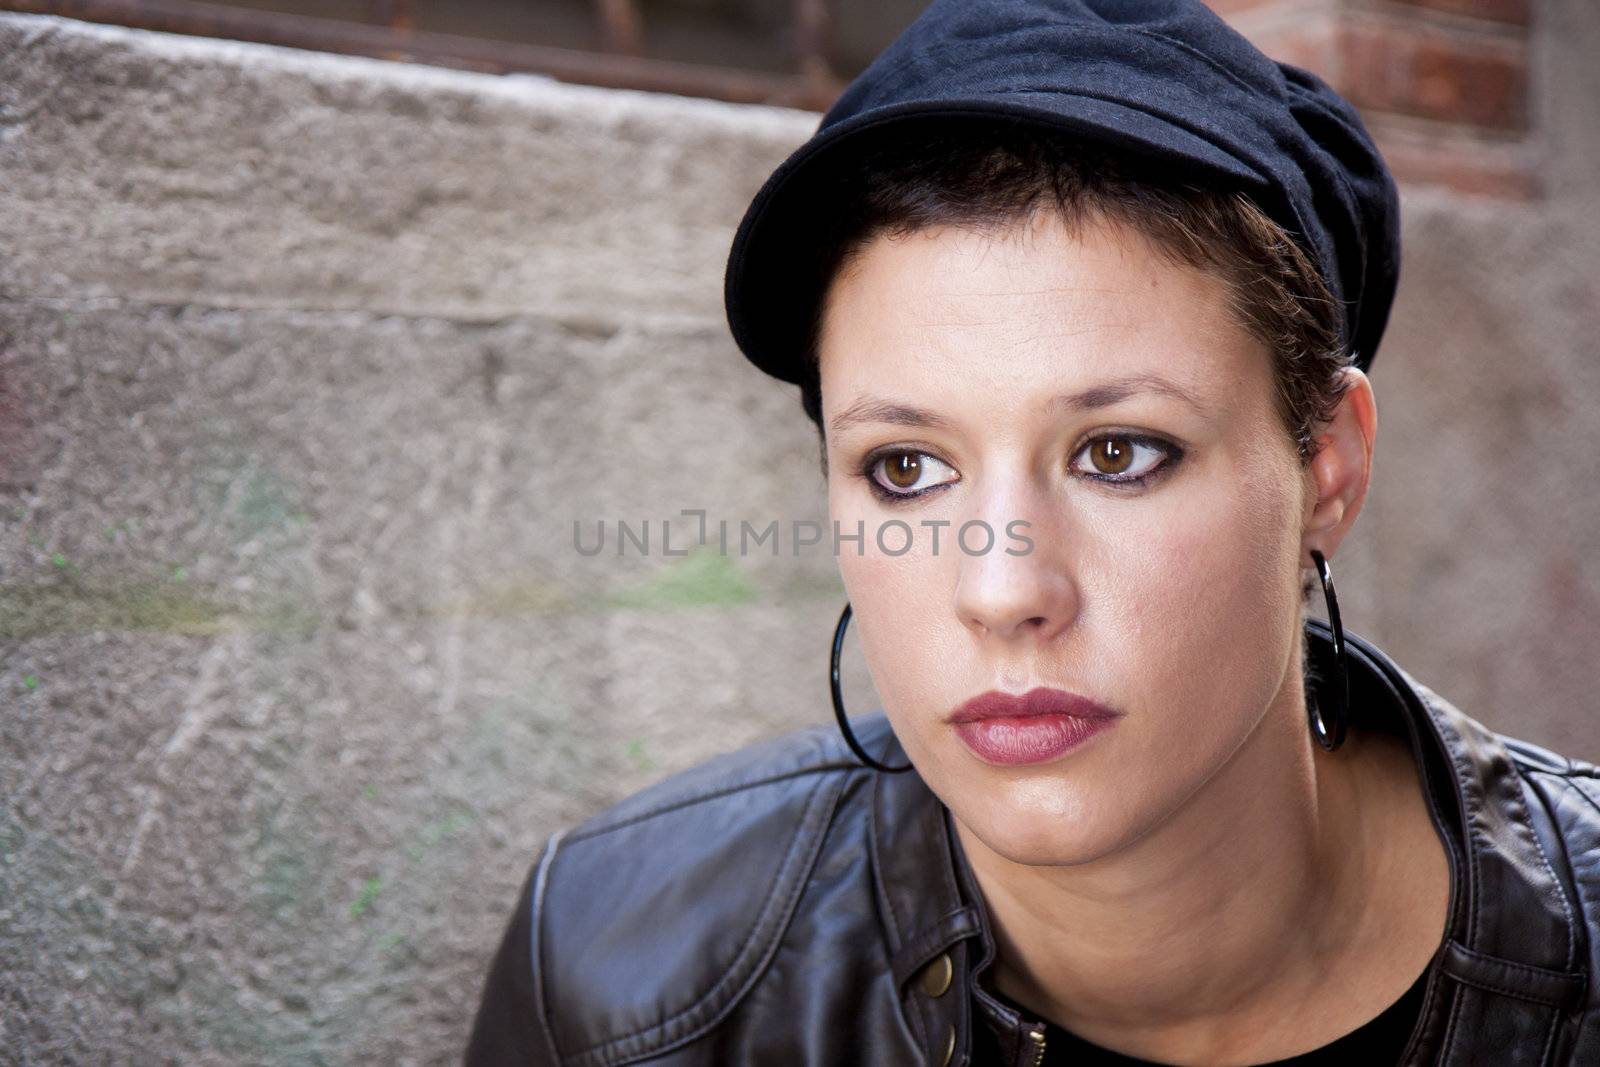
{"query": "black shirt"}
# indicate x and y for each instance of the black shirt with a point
(1379, 1041)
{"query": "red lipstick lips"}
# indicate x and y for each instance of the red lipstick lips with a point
(1036, 726)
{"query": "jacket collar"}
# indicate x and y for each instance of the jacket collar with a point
(1513, 942)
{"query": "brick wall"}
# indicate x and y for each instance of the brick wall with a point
(1443, 84)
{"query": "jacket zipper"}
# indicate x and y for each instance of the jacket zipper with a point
(1036, 1039)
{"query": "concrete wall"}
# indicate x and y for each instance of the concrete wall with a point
(307, 365)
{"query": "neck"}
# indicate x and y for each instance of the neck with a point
(1241, 903)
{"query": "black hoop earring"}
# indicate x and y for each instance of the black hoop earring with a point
(838, 700)
(1329, 707)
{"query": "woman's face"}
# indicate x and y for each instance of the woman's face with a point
(1106, 397)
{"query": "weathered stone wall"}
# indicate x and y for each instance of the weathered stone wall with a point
(308, 365)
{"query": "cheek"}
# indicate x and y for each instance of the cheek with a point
(1206, 598)
(901, 605)
(902, 613)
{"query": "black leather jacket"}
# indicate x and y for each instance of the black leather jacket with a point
(784, 905)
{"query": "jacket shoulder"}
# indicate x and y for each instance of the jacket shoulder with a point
(728, 777)
(651, 919)
(1532, 757)
(1565, 805)
(1569, 793)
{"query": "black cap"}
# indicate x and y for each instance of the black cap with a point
(1164, 79)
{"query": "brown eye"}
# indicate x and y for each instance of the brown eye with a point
(908, 474)
(903, 470)
(1111, 455)
(1124, 459)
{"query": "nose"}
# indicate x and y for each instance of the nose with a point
(1015, 590)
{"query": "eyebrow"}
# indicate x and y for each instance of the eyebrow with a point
(869, 409)
(1107, 393)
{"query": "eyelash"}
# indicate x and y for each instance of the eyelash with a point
(1173, 454)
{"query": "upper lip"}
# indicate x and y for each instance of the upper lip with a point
(1041, 700)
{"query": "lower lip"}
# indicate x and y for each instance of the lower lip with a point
(1028, 739)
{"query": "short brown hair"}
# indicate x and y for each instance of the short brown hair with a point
(991, 172)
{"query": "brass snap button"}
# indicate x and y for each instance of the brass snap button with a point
(949, 1047)
(937, 974)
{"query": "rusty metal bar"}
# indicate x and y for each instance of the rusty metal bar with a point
(395, 14)
(439, 49)
(812, 32)
(620, 26)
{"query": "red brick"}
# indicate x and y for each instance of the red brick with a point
(1513, 12)
(1390, 66)
(1229, 8)
(1482, 170)
(1509, 12)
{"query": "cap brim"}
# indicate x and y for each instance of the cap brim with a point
(765, 299)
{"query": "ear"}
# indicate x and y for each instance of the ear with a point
(1341, 469)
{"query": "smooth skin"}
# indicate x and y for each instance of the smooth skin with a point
(1200, 884)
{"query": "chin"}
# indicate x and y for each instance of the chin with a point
(1041, 823)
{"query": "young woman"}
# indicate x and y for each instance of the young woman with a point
(1080, 297)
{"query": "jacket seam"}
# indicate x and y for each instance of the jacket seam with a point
(1555, 880)
(1548, 1056)
(1474, 816)
(700, 798)
(963, 1007)
(800, 879)
(1570, 771)
(913, 1017)
(1463, 882)
(1471, 812)
(541, 1009)
(947, 868)
(1534, 761)
(1584, 793)
(1427, 1012)
(1567, 875)
(1511, 965)
(873, 818)
(1494, 987)
(1420, 713)
(1447, 1041)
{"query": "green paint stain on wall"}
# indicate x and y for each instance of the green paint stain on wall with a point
(248, 493)
(635, 750)
(262, 501)
(294, 864)
(161, 606)
(512, 595)
(704, 577)
(364, 899)
(436, 832)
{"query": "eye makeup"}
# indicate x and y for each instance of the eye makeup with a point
(1139, 448)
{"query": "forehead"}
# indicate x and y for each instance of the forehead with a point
(1027, 308)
